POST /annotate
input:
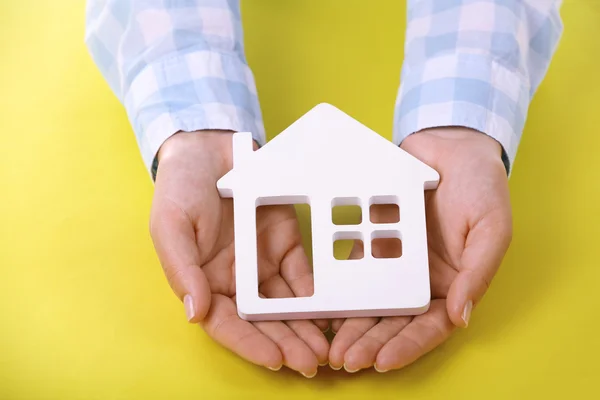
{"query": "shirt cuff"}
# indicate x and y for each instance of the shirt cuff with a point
(470, 90)
(189, 92)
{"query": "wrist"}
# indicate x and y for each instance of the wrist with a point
(466, 136)
(212, 146)
(191, 143)
(452, 143)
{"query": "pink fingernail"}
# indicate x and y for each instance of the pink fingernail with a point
(381, 371)
(309, 376)
(350, 370)
(188, 304)
(334, 368)
(466, 315)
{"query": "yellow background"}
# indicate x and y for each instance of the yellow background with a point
(85, 312)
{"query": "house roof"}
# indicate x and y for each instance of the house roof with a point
(324, 135)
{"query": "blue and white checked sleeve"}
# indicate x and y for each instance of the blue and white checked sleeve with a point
(176, 66)
(475, 63)
(180, 65)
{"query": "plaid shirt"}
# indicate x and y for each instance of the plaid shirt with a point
(180, 66)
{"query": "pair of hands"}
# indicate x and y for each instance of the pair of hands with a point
(469, 230)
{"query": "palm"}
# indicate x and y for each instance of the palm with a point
(189, 202)
(468, 224)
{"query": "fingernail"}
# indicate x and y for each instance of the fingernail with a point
(309, 376)
(334, 368)
(188, 303)
(275, 368)
(467, 312)
(381, 371)
(350, 370)
(325, 330)
(323, 364)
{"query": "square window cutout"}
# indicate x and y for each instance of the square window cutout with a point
(346, 211)
(348, 246)
(384, 210)
(386, 244)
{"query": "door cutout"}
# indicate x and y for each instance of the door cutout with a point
(284, 249)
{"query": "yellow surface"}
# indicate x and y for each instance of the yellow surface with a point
(85, 312)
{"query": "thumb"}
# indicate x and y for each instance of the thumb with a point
(174, 239)
(486, 244)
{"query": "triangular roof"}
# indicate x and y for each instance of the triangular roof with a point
(323, 131)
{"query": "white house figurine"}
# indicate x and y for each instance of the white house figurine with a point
(326, 159)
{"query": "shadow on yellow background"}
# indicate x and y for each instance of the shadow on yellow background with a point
(85, 312)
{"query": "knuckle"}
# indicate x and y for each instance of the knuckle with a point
(175, 275)
(416, 343)
(287, 342)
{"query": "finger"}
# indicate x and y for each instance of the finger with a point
(322, 324)
(362, 354)
(357, 252)
(223, 324)
(336, 324)
(311, 334)
(297, 273)
(351, 330)
(421, 335)
(297, 355)
(486, 244)
(175, 243)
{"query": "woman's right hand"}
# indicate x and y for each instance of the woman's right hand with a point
(192, 231)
